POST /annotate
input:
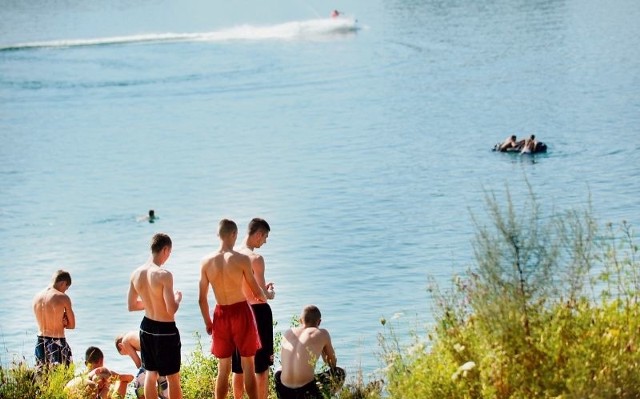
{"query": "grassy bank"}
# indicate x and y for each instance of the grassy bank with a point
(549, 309)
(21, 381)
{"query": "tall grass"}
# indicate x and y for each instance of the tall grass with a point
(197, 375)
(20, 381)
(549, 310)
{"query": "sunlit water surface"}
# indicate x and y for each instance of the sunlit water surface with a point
(366, 145)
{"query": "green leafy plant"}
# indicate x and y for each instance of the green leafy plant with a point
(549, 310)
(198, 374)
(21, 381)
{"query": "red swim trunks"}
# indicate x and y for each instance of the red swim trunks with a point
(234, 327)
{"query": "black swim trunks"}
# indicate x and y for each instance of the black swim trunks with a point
(52, 351)
(160, 346)
(321, 387)
(308, 391)
(264, 356)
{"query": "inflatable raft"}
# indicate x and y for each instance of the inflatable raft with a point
(540, 148)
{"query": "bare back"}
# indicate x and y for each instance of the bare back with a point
(301, 349)
(225, 271)
(53, 313)
(155, 288)
(130, 345)
(132, 339)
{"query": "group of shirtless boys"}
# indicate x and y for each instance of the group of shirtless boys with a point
(241, 327)
(524, 146)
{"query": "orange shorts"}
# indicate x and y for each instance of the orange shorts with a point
(234, 327)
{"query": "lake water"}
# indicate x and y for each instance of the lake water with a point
(367, 151)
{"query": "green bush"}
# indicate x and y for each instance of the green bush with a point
(20, 381)
(550, 310)
(198, 373)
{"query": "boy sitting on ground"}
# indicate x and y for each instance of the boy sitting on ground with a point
(301, 348)
(98, 382)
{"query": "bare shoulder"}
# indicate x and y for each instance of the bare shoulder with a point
(211, 262)
(210, 258)
(64, 298)
(238, 257)
(289, 334)
(163, 274)
(239, 254)
(137, 271)
(57, 297)
(38, 297)
(322, 333)
(131, 336)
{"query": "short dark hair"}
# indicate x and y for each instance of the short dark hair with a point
(258, 224)
(311, 315)
(93, 355)
(226, 227)
(61, 276)
(159, 241)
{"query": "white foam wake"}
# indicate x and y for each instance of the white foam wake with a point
(297, 30)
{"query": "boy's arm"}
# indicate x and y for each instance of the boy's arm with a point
(258, 291)
(171, 299)
(257, 265)
(133, 299)
(203, 291)
(122, 377)
(328, 353)
(69, 317)
(133, 354)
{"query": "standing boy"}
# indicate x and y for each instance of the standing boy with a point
(233, 325)
(257, 234)
(52, 308)
(151, 290)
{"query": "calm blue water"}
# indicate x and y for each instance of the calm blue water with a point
(366, 151)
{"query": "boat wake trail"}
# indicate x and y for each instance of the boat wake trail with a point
(297, 30)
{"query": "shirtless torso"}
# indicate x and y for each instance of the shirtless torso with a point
(225, 271)
(53, 312)
(151, 290)
(301, 349)
(529, 145)
(509, 142)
